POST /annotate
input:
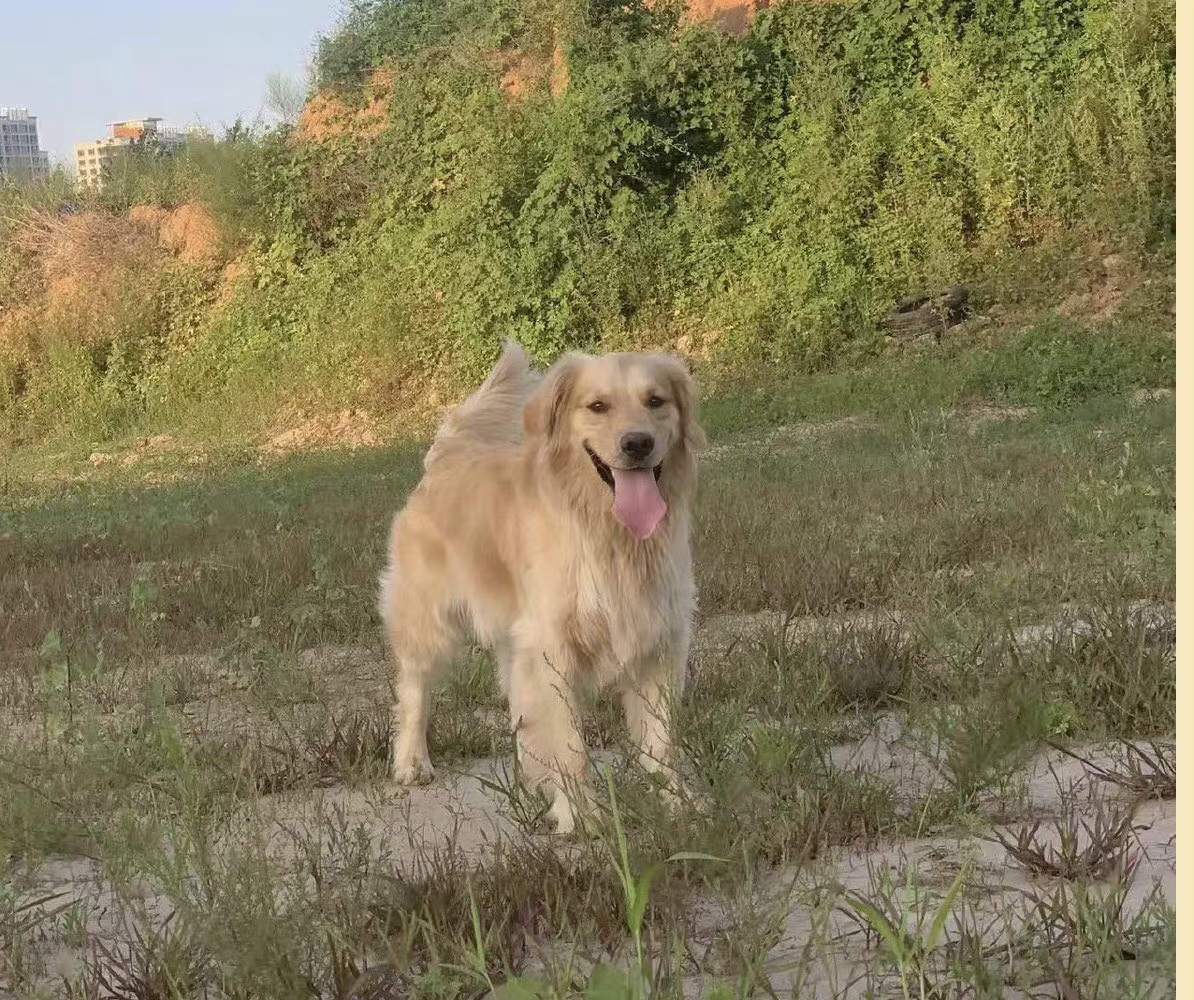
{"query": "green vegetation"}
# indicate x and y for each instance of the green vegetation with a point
(928, 737)
(760, 201)
(195, 694)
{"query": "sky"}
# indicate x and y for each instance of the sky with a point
(79, 64)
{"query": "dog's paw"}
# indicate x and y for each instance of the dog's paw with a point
(677, 794)
(561, 816)
(575, 816)
(694, 799)
(665, 784)
(413, 771)
(669, 795)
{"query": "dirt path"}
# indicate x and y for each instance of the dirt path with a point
(465, 809)
(802, 905)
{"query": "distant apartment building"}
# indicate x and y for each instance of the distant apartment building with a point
(92, 157)
(21, 155)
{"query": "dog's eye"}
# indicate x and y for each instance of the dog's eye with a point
(655, 402)
(598, 406)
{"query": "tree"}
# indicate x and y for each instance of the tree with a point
(284, 97)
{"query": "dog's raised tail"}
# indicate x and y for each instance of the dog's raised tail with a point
(512, 373)
(492, 414)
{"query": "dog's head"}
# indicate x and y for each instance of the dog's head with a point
(628, 422)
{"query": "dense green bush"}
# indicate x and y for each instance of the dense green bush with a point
(766, 198)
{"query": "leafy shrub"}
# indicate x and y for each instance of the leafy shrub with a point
(763, 199)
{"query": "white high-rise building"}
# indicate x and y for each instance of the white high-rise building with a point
(21, 155)
(92, 157)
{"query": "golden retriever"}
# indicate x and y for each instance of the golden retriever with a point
(553, 521)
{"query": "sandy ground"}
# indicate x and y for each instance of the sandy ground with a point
(461, 807)
(458, 808)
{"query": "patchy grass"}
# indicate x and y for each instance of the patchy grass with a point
(915, 580)
(1079, 848)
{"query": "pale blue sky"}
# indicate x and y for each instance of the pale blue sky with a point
(78, 64)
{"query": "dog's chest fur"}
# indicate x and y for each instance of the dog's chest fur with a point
(634, 602)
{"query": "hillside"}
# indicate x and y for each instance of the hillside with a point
(752, 185)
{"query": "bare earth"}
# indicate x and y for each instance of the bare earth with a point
(402, 826)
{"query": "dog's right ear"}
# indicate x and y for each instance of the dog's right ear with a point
(541, 418)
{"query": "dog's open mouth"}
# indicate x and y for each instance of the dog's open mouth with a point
(607, 474)
(638, 504)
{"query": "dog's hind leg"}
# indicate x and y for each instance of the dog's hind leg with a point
(411, 760)
(422, 635)
(503, 661)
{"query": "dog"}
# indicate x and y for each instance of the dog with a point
(553, 521)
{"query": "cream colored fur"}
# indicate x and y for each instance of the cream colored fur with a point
(510, 535)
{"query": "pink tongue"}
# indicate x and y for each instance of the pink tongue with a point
(637, 502)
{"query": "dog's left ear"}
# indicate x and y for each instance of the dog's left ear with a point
(684, 390)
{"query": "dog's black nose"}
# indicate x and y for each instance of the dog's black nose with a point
(637, 444)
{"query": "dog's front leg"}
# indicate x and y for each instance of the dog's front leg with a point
(647, 702)
(647, 706)
(544, 713)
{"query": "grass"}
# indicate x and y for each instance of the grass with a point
(1144, 774)
(1096, 848)
(1080, 939)
(914, 579)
